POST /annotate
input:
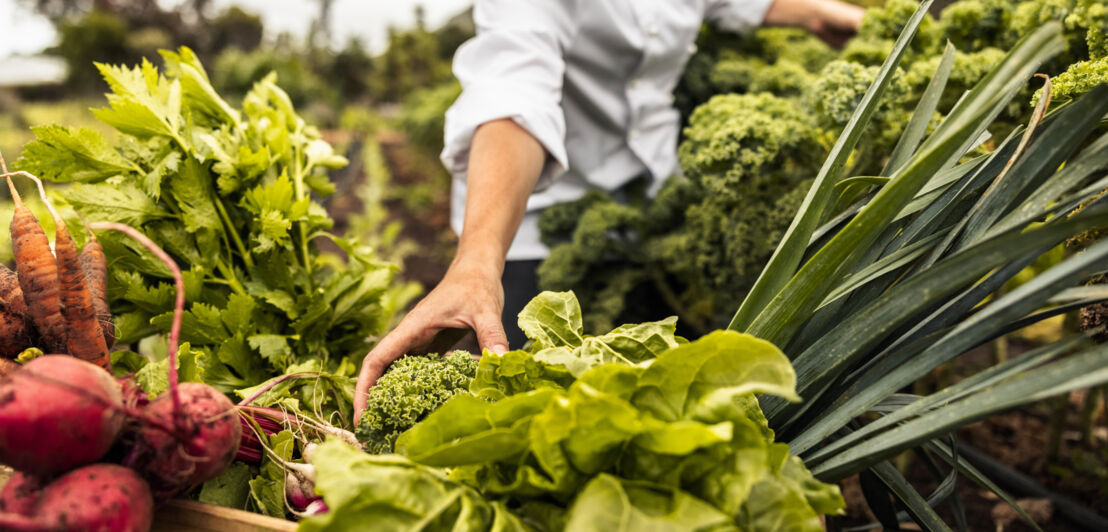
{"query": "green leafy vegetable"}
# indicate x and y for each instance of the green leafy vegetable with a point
(413, 387)
(230, 194)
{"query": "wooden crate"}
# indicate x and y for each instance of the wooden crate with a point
(191, 516)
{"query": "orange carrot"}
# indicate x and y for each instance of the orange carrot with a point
(15, 327)
(95, 267)
(38, 275)
(84, 339)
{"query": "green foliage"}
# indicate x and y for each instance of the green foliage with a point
(235, 28)
(423, 116)
(228, 193)
(749, 155)
(577, 430)
(1078, 80)
(235, 72)
(411, 61)
(97, 36)
(413, 387)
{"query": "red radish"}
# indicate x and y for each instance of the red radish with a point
(299, 491)
(205, 429)
(21, 494)
(94, 498)
(56, 413)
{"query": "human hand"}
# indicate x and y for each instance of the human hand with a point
(835, 22)
(832, 21)
(468, 297)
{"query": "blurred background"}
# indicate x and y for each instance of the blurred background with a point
(375, 77)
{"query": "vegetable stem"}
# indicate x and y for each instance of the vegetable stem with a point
(230, 278)
(179, 302)
(298, 187)
(230, 229)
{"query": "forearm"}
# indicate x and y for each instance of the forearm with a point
(504, 164)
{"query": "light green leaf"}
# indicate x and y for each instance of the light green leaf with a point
(113, 203)
(724, 362)
(71, 154)
(552, 319)
(611, 504)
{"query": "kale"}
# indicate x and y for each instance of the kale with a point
(761, 112)
(413, 387)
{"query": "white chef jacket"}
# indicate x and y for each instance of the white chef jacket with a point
(591, 80)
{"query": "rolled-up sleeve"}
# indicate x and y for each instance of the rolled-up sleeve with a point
(737, 15)
(513, 68)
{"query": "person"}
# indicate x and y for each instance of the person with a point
(559, 97)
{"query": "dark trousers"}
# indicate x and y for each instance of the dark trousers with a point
(521, 284)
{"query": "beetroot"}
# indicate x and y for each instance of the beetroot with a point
(21, 494)
(99, 497)
(190, 433)
(203, 444)
(56, 413)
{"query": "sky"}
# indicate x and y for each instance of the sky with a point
(26, 33)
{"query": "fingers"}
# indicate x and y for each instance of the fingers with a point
(490, 333)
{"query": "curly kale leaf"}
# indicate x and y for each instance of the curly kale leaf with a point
(413, 387)
(734, 137)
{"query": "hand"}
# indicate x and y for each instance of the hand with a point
(831, 20)
(468, 297)
(835, 22)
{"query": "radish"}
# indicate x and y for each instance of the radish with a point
(204, 430)
(56, 413)
(94, 498)
(21, 494)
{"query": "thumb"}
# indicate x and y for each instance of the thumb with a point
(490, 333)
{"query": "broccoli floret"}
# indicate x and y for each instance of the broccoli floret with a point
(413, 387)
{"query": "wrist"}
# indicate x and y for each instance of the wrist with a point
(481, 261)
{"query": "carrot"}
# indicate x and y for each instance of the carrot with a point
(95, 267)
(14, 327)
(38, 275)
(84, 339)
